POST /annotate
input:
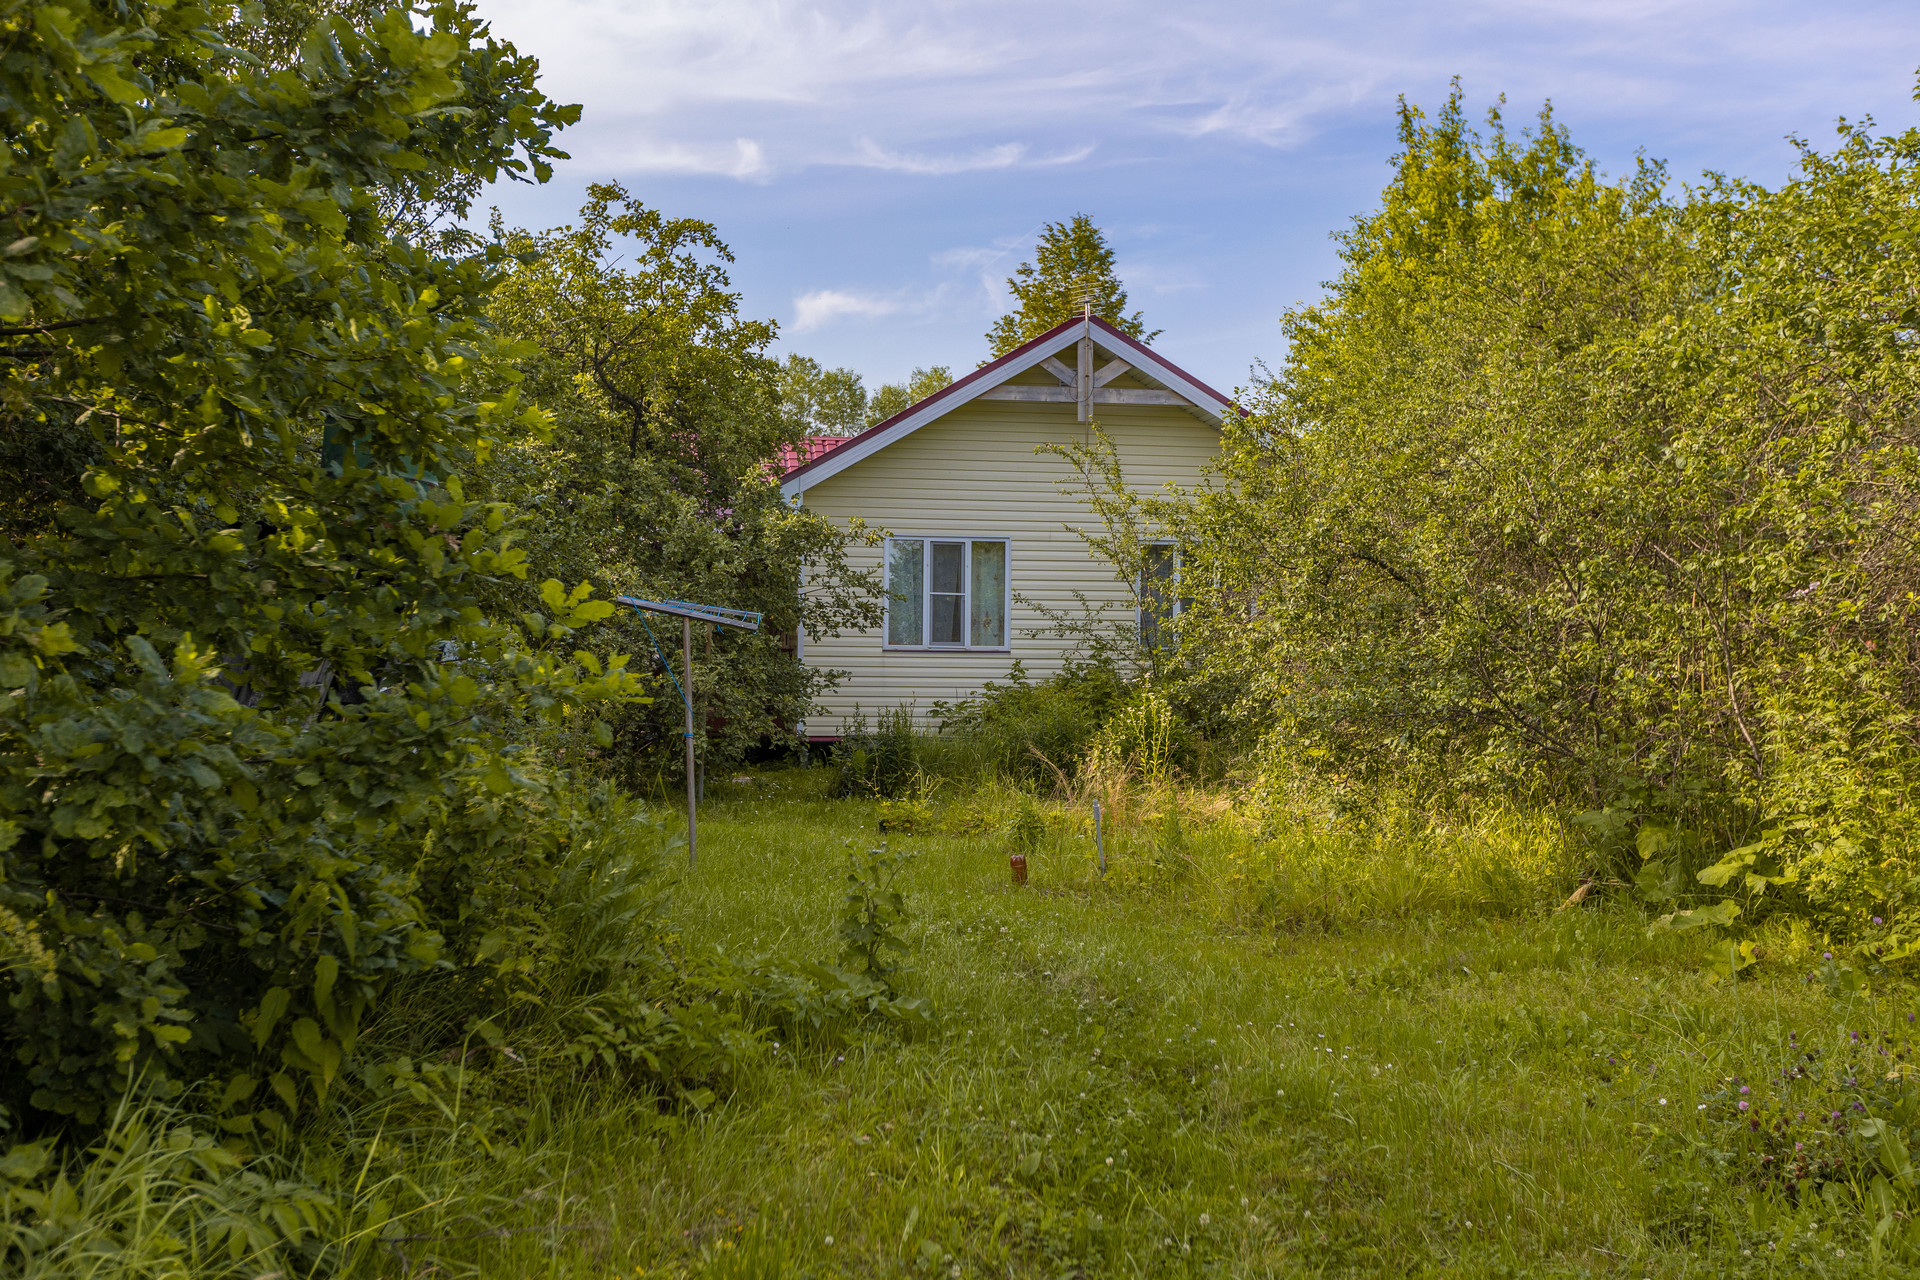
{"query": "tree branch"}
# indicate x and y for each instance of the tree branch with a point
(26, 330)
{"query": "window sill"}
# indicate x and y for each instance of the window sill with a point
(941, 648)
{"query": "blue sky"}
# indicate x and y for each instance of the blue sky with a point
(879, 169)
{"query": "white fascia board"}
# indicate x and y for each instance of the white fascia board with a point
(936, 407)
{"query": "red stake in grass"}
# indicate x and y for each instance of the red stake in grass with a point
(1018, 862)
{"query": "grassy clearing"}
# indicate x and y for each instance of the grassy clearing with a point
(1129, 1084)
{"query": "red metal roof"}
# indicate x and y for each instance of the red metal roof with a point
(792, 456)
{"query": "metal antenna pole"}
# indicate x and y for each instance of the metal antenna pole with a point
(686, 665)
(1085, 372)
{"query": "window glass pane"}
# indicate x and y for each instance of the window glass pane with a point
(906, 583)
(945, 569)
(987, 621)
(946, 597)
(1156, 590)
(943, 618)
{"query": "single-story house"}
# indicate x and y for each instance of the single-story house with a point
(979, 523)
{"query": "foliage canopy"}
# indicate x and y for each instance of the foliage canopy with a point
(1072, 268)
(654, 480)
(257, 758)
(1574, 489)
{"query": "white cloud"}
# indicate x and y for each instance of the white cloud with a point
(957, 86)
(1007, 155)
(824, 306)
(743, 158)
(872, 156)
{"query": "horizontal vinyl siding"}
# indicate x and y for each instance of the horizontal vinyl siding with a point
(974, 473)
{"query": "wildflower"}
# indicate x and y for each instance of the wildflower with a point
(1744, 1089)
(1826, 955)
(1743, 1106)
(1663, 1102)
(1109, 1160)
(1206, 1219)
(1877, 920)
(829, 1240)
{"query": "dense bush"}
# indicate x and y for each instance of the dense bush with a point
(653, 481)
(1580, 491)
(881, 761)
(1035, 732)
(254, 768)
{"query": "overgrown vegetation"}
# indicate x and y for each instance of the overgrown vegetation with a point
(1558, 588)
(294, 829)
(1585, 494)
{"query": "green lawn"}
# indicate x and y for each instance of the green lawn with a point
(1124, 1086)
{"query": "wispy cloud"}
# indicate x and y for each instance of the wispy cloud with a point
(824, 306)
(874, 156)
(1006, 155)
(840, 142)
(976, 85)
(742, 158)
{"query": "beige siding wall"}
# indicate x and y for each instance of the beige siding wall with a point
(974, 473)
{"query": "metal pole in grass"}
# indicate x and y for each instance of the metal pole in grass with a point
(693, 801)
(689, 613)
(1099, 846)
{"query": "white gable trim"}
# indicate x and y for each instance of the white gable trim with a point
(1202, 399)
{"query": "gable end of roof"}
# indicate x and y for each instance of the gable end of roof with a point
(1155, 368)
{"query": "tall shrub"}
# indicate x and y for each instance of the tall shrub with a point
(1577, 489)
(248, 672)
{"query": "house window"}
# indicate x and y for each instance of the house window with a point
(1160, 598)
(947, 593)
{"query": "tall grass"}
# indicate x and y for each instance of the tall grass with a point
(1244, 856)
(1278, 1038)
(157, 1195)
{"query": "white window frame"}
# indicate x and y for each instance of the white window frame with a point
(926, 541)
(1179, 599)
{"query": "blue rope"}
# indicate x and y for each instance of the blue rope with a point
(664, 664)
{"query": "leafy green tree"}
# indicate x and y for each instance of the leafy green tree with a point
(892, 397)
(1568, 490)
(1072, 269)
(821, 401)
(255, 762)
(656, 480)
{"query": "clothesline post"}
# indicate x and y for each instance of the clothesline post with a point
(688, 612)
(693, 806)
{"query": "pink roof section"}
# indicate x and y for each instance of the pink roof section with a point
(990, 374)
(794, 456)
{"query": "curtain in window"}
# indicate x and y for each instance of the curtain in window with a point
(987, 617)
(946, 592)
(906, 584)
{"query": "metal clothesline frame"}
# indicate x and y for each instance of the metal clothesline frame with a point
(689, 613)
